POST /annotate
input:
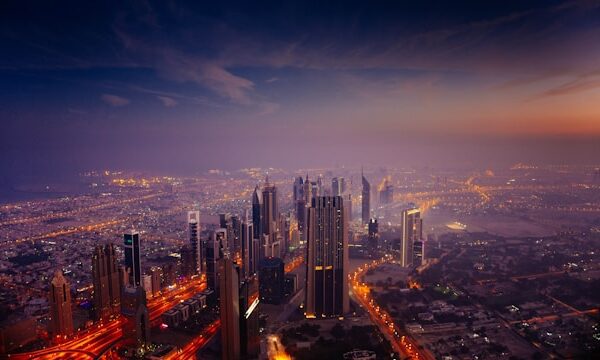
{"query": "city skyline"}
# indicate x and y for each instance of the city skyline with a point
(300, 180)
(142, 84)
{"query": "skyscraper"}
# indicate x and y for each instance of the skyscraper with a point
(327, 258)
(133, 307)
(270, 212)
(298, 188)
(411, 232)
(249, 252)
(133, 263)
(214, 252)
(61, 316)
(366, 199)
(335, 187)
(229, 309)
(373, 237)
(271, 280)
(195, 244)
(249, 328)
(105, 278)
(256, 213)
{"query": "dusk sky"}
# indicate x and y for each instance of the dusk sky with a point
(173, 87)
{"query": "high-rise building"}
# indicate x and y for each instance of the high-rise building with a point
(105, 278)
(327, 258)
(386, 191)
(133, 263)
(61, 315)
(270, 211)
(419, 252)
(229, 309)
(215, 248)
(272, 281)
(348, 206)
(373, 237)
(298, 189)
(366, 199)
(249, 329)
(187, 261)
(411, 232)
(134, 308)
(249, 252)
(256, 213)
(335, 187)
(195, 244)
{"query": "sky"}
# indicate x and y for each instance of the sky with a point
(181, 87)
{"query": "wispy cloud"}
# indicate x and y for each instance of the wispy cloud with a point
(114, 100)
(167, 101)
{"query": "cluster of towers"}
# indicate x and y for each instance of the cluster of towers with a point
(241, 259)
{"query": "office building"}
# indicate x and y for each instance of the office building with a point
(134, 308)
(373, 236)
(366, 199)
(61, 315)
(229, 309)
(105, 278)
(327, 258)
(272, 281)
(249, 328)
(195, 244)
(214, 252)
(133, 263)
(256, 213)
(411, 232)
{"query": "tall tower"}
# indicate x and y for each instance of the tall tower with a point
(101, 298)
(249, 253)
(133, 264)
(194, 237)
(61, 316)
(214, 252)
(256, 213)
(411, 232)
(270, 212)
(366, 199)
(229, 310)
(336, 186)
(327, 258)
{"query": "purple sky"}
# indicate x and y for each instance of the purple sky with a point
(175, 87)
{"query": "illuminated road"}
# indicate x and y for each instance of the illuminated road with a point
(402, 344)
(56, 215)
(190, 349)
(275, 349)
(95, 339)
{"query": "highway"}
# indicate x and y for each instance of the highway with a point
(90, 342)
(401, 343)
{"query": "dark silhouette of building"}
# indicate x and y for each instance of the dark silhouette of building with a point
(373, 236)
(249, 329)
(366, 199)
(229, 309)
(134, 308)
(327, 258)
(105, 278)
(214, 252)
(61, 315)
(272, 280)
(133, 262)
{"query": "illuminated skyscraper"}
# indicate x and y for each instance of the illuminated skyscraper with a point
(195, 244)
(338, 186)
(61, 316)
(249, 252)
(327, 258)
(105, 278)
(366, 199)
(229, 309)
(411, 232)
(133, 263)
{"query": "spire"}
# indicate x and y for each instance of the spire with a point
(267, 180)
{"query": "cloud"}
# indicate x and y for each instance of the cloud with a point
(273, 79)
(268, 108)
(167, 101)
(114, 100)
